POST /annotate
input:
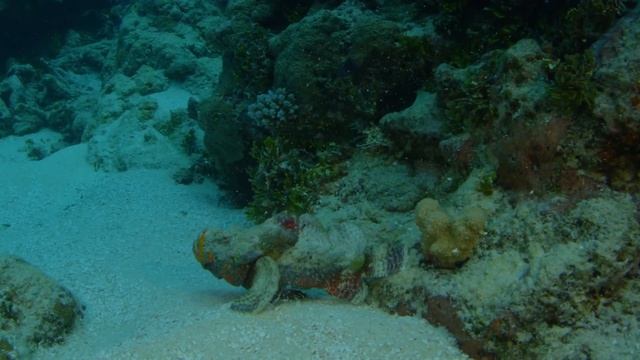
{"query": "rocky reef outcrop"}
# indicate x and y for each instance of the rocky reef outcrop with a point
(495, 142)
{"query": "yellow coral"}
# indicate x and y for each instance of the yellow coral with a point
(448, 237)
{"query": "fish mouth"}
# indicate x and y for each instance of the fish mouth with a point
(234, 274)
(237, 274)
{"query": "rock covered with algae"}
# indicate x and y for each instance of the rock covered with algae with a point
(34, 309)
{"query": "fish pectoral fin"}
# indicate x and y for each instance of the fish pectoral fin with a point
(265, 286)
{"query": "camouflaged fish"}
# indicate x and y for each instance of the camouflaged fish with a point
(288, 253)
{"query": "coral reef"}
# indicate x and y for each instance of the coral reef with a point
(536, 271)
(286, 179)
(573, 90)
(331, 95)
(24, 34)
(226, 146)
(416, 130)
(382, 183)
(473, 28)
(94, 91)
(529, 158)
(475, 163)
(616, 107)
(501, 88)
(364, 68)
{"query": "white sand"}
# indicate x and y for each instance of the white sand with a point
(121, 242)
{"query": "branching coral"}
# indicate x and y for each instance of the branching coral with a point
(273, 109)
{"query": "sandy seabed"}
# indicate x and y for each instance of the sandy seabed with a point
(121, 242)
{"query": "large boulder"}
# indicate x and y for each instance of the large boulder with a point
(347, 67)
(34, 310)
